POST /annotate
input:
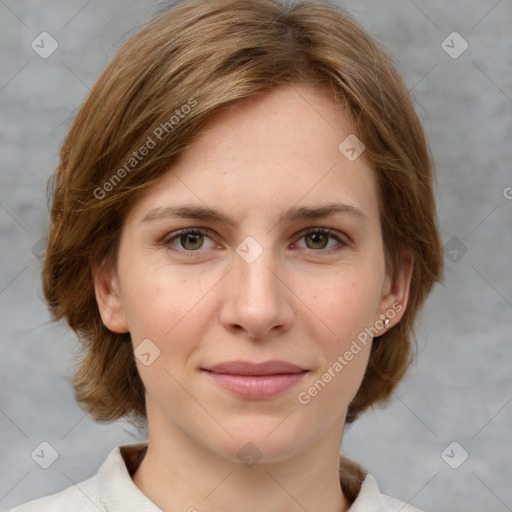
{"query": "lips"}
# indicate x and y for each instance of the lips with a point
(249, 368)
(248, 380)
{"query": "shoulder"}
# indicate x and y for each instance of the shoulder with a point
(370, 499)
(395, 505)
(110, 489)
(361, 488)
(82, 496)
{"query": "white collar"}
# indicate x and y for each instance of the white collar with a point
(118, 492)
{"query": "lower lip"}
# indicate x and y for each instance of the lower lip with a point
(252, 386)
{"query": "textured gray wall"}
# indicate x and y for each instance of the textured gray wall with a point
(460, 389)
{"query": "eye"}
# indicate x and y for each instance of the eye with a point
(190, 240)
(317, 239)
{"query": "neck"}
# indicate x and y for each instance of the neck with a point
(178, 473)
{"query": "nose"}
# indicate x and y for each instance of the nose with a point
(257, 301)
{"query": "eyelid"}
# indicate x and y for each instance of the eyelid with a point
(332, 233)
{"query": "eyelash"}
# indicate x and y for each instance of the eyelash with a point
(166, 242)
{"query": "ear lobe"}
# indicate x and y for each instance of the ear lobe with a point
(109, 301)
(395, 296)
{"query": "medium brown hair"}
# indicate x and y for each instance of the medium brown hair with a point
(170, 78)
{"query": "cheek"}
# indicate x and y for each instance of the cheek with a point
(346, 303)
(160, 307)
(171, 308)
(155, 296)
(347, 306)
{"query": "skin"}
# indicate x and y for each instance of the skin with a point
(300, 301)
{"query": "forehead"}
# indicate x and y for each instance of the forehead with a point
(265, 154)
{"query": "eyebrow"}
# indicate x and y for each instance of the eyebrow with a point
(295, 213)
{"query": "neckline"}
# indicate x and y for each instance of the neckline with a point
(351, 473)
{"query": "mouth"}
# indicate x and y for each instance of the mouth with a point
(255, 369)
(250, 380)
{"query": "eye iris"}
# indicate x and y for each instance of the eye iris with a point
(316, 237)
(194, 238)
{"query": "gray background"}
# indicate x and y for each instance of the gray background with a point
(460, 387)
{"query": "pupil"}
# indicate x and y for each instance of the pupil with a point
(316, 237)
(194, 239)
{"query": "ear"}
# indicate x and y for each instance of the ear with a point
(395, 295)
(108, 297)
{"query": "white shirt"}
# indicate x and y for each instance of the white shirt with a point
(112, 489)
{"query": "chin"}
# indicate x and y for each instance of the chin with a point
(251, 446)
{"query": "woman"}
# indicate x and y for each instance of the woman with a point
(243, 231)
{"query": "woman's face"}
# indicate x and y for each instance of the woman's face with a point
(255, 286)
